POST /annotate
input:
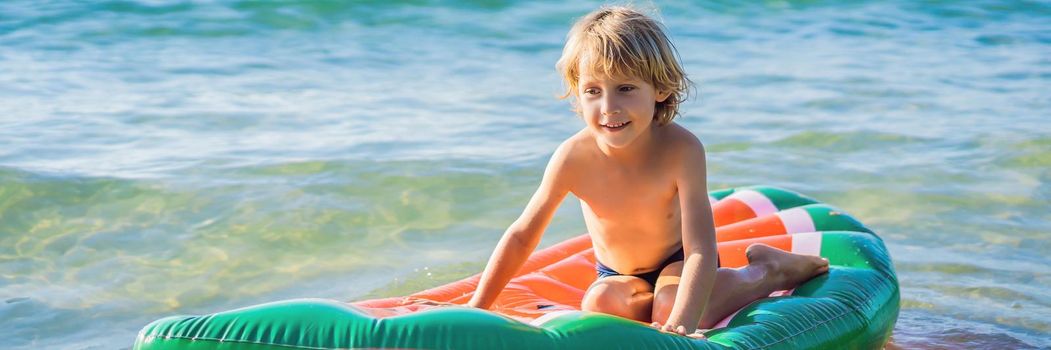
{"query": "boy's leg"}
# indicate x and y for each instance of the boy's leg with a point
(769, 270)
(624, 296)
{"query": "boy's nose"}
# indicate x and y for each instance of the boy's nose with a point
(609, 108)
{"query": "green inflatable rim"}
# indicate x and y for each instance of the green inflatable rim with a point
(854, 306)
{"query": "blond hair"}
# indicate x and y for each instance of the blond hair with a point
(618, 41)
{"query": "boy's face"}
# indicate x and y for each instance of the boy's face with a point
(617, 109)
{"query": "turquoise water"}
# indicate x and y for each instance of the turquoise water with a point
(179, 157)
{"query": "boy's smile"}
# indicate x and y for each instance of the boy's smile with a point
(616, 126)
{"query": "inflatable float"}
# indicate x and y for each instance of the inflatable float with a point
(854, 306)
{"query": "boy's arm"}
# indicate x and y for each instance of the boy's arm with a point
(524, 234)
(698, 239)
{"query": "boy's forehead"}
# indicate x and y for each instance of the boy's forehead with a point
(594, 73)
(591, 68)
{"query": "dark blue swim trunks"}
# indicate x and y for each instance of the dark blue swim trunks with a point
(651, 277)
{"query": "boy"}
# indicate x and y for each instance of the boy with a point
(641, 182)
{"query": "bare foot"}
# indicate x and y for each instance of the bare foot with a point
(789, 269)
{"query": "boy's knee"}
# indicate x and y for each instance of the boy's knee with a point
(618, 299)
(602, 297)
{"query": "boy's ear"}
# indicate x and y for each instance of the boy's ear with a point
(662, 95)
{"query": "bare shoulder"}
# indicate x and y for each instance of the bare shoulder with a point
(568, 158)
(576, 149)
(683, 145)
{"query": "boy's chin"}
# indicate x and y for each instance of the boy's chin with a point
(617, 141)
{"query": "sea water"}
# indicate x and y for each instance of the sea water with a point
(187, 157)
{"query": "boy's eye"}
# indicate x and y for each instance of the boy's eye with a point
(591, 91)
(627, 88)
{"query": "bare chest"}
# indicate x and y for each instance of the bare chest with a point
(620, 197)
(633, 218)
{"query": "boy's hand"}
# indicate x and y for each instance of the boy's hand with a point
(680, 330)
